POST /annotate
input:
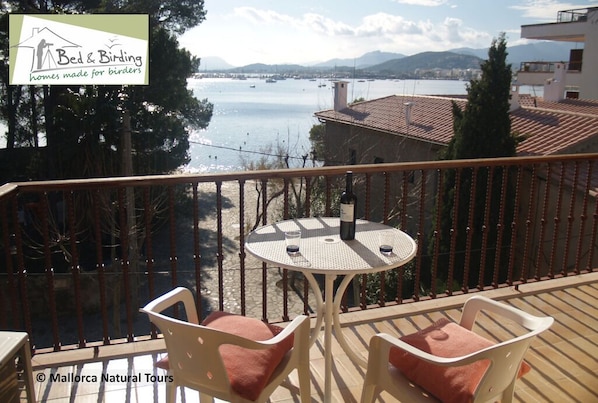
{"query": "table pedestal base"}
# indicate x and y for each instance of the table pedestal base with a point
(328, 310)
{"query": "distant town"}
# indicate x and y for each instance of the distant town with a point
(428, 74)
(457, 64)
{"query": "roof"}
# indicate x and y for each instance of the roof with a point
(431, 116)
(548, 127)
(583, 106)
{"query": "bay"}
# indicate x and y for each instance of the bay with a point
(254, 119)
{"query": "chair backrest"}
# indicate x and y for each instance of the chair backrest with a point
(193, 354)
(505, 357)
(193, 350)
(238, 372)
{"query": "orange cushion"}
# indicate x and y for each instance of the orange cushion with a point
(445, 339)
(248, 370)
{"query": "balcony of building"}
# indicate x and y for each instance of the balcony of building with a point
(80, 257)
(539, 73)
(570, 26)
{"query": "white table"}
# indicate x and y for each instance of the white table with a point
(323, 252)
(11, 345)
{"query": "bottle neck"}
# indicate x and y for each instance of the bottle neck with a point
(349, 183)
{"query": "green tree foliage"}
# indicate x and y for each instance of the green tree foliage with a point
(316, 137)
(83, 125)
(481, 130)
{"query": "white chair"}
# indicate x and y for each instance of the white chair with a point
(453, 362)
(221, 358)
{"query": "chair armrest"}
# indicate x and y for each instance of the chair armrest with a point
(289, 329)
(477, 303)
(171, 298)
(295, 326)
(218, 337)
(299, 321)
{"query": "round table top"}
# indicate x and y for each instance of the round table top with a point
(322, 251)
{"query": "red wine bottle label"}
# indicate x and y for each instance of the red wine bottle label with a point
(347, 212)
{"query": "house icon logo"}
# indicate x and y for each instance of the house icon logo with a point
(78, 49)
(42, 41)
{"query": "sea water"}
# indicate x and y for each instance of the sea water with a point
(254, 120)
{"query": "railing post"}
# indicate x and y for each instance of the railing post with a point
(124, 239)
(220, 253)
(75, 268)
(242, 253)
(264, 266)
(21, 270)
(100, 267)
(9, 240)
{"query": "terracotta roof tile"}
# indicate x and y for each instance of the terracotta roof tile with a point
(548, 127)
(431, 117)
(583, 106)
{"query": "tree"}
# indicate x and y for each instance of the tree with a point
(316, 137)
(481, 130)
(82, 124)
(85, 126)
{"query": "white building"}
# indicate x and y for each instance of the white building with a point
(576, 78)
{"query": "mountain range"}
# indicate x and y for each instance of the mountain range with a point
(378, 61)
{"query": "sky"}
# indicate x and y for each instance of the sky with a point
(306, 32)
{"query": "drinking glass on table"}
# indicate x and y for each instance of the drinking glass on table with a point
(386, 241)
(292, 240)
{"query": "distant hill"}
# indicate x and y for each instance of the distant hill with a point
(427, 61)
(396, 63)
(548, 51)
(367, 60)
(214, 63)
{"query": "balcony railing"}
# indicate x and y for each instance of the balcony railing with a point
(537, 67)
(577, 15)
(79, 257)
(547, 67)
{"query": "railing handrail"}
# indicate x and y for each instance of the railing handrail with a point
(172, 179)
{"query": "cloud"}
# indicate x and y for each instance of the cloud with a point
(309, 21)
(453, 30)
(327, 26)
(386, 24)
(546, 10)
(425, 3)
(261, 16)
(396, 34)
(391, 32)
(268, 36)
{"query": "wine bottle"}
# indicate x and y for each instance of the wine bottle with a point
(347, 205)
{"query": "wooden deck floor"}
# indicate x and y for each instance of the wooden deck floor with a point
(564, 359)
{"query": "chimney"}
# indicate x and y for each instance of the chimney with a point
(340, 95)
(408, 107)
(514, 101)
(554, 88)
